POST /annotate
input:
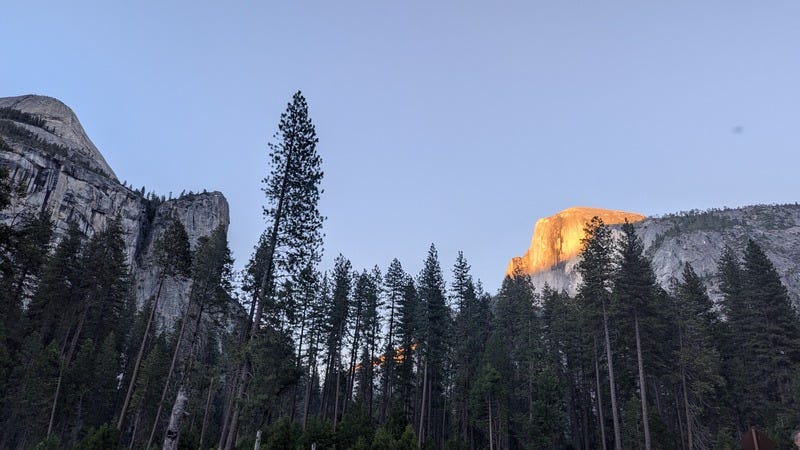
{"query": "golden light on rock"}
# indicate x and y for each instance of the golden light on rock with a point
(557, 238)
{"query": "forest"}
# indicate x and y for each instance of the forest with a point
(287, 356)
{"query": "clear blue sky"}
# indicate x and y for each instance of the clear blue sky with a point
(457, 123)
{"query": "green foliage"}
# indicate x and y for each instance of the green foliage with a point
(49, 443)
(24, 137)
(22, 117)
(725, 441)
(172, 253)
(319, 432)
(293, 190)
(105, 437)
(282, 435)
(355, 425)
(189, 440)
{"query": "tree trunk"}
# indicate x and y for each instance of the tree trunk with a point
(614, 412)
(307, 400)
(421, 438)
(686, 399)
(169, 375)
(135, 427)
(258, 441)
(61, 368)
(599, 397)
(351, 376)
(66, 359)
(642, 385)
(491, 435)
(230, 439)
(205, 414)
(389, 362)
(139, 355)
(265, 289)
(336, 395)
(174, 427)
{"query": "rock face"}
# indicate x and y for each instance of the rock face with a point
(61, 127)
(67, 177)
(557, 239)
(699, 238)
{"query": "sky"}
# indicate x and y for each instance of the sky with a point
(454, 123)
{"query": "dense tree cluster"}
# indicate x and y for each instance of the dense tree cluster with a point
(379, 359)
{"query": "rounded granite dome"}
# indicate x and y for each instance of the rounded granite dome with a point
(61, 124)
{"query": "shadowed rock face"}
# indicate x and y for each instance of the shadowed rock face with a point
(557, 239)
(75, 185)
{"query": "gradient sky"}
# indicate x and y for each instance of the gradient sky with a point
(458, 123)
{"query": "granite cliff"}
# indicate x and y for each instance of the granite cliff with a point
(43, 145)
(696, 237)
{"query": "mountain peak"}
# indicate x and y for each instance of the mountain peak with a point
(61, 125)
(557, 238)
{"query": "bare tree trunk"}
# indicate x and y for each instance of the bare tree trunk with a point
(65, 360)
(258, 441)
(265, 289)
(205, 414)
(599, 397)
(351, 376)
(491, 435)
(230, 397)
(174, 427)
(307, 400)
(58, 388)
(169, 375)
(679, 415)
(389, 361)
(614, 412)
(336, 396)
(421, 437)
(642, 385)
(232, 430)
(135, 427)
(139, 355)
(299, 360)
(686, 399)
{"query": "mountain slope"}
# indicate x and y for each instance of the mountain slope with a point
(44, 146)
(698, 238)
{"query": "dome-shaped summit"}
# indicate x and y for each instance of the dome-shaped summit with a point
(61, 125)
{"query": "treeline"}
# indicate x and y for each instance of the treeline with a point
(74, 349)
(378, 358)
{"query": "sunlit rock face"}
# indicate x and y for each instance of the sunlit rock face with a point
(557, 239)
(671, 241)
(75, 185)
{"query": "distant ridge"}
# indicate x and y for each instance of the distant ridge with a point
(698, 238)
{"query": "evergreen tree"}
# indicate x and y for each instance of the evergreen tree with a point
(394, 285)
(368, 288)
(434, 320)
(210, 295)
(173, 259)
(97, 335)
(698, 358)
(634, 291)
(338, 314)
(568, 351)
(293, 237)
(56, 301)
(470, 330)
(596, 270)
(735, 336)
(774, 334)
(408, 331)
